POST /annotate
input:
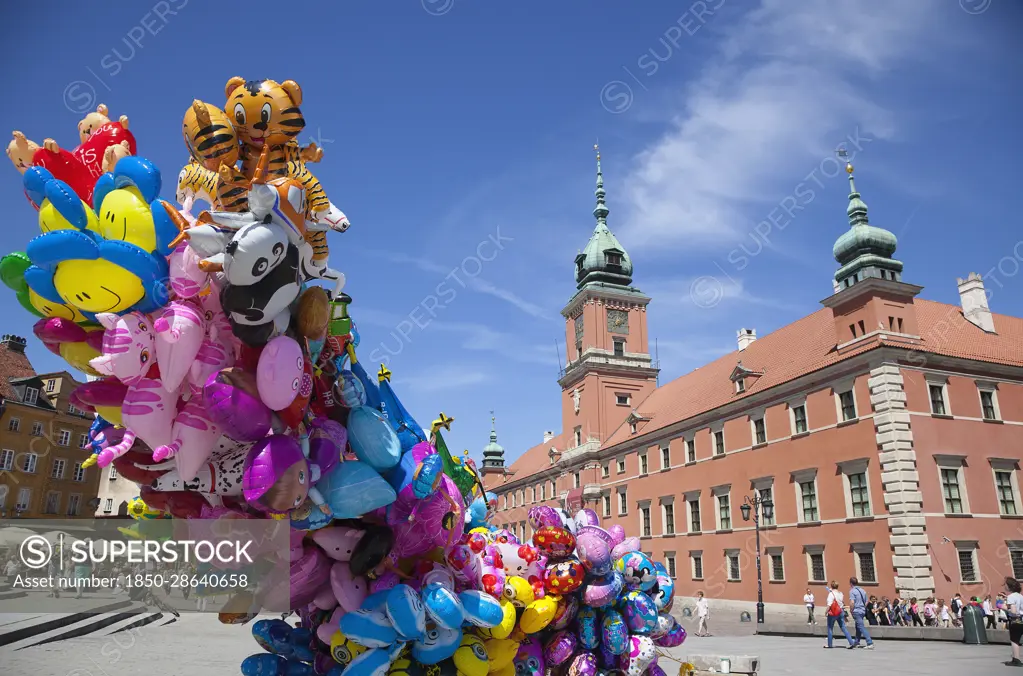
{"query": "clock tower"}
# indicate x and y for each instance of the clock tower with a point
(609, 369)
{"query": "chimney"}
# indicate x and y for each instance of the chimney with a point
(973, 298)
(13, 343)
(746, 336)
(547, 436)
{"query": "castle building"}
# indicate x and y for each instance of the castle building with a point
(43, 440)
(885, 430)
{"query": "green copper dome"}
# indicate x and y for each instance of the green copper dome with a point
(493, 452)
(603, 259)
(864, 250)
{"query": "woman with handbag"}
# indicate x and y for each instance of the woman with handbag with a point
(836, 614)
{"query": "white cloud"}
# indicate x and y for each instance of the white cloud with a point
(698, 294)
(783, 92)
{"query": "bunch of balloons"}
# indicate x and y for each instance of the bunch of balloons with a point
(226, 383)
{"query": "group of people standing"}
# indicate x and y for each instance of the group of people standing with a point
(1005, 610)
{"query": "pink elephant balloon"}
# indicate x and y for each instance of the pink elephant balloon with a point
(338, 542)
(279, 372)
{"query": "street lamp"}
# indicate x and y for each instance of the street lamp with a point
(754, 506)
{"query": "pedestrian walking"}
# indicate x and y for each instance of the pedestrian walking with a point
(1014, 611)
(808, 602)
(872, 611)
(914, 613)
(702, 614)
(836, 614)
(860, 602)
(930, 613)
(957, 610)
(944, 614)
(989, 612)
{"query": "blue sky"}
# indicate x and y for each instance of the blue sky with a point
(458, 139)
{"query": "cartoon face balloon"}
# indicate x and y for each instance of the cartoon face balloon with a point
(438, 644)
(564, 577)
(529, 660)
(638, 571)
(663, 592)
(471, 656)
(614, 633)
(640, 656)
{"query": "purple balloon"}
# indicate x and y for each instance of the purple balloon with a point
(242, 416)
(560, 648)
(626, 546)
(676, 636)
(599, 532)
(584, 664)
(586, 517)
(309, 573)
(266, 463)
(593, 553)
(543, 515)
(604, 591)
(617, 533)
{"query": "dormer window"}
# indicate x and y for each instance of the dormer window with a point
(613, 258)
(740, 385)
(740, 374)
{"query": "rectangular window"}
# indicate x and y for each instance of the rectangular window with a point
(576, 481)
(83, 440)
(817, 567)
(866, 565)
(74, 504)
(543, 492)
(52, 502)
(724, 512)
(79, 473)
(733, 567)
(665, 458)
(619, 347)
(767, 495)
(24, 499)
(1016, 563)
(740, 385)
(694, 516)
(777, 568)
(644, 466)
(967, 564)
(669, 518)
(621, 465)
(623, 503)
(808, 489)
(554, 490)
(848, 404)
(37, 429)
(57, 472)
(578, 433)
(950, 491)
(669, 560)
(690, 450)
(29, 465)
(698, 567)
(51, 385)
(719, 442)
(14, 425)
(859, 495)
(6, 459)
(31, 395)
(799, 419)
(645, 517)
(987, 404)
(622, 399)
(937, 399)
(1006, 496)
(605, 470)
(64, 438)
(607, 505)
(761, 430)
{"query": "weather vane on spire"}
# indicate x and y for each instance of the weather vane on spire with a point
(843, 155)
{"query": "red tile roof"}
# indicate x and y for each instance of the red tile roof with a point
(535, 459)
(943, 330)
(12, 365)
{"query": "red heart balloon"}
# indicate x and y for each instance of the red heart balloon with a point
(90, 153)
(66, 167)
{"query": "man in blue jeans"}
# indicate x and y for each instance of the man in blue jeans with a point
(858, 600)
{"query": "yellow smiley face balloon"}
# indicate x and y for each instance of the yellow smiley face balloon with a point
(97, 285)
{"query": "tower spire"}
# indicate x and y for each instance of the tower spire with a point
(493, 453)
(857, 210)
(600, 211)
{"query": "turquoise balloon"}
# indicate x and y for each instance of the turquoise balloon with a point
(353, 488)
(373, 439)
